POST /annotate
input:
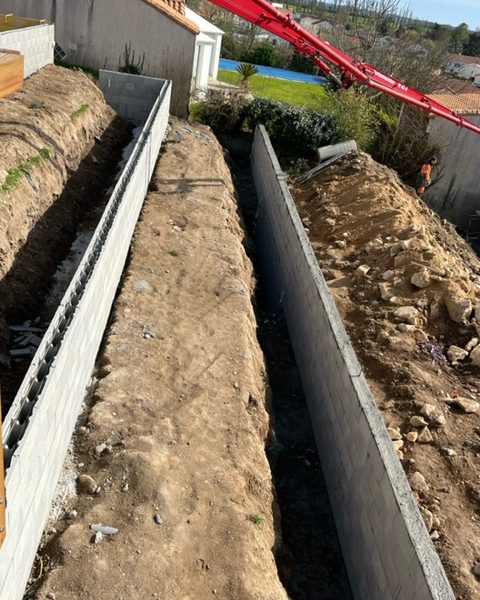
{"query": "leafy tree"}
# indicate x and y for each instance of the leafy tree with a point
(441, 33)
(263, 53)
(355, 115)
(459, 38)
(472, 47)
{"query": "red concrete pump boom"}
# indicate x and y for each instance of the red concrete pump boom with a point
(282, 25)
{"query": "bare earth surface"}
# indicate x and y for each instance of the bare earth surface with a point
(407, 286)
(60, 144)
(175, 438)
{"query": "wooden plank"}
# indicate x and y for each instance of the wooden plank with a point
(11, 72)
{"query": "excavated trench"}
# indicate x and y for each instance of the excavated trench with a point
(32, 288)
(309, 560)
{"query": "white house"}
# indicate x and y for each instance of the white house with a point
(207, 50)
(456, 193)
(174, 42)
(466, 67)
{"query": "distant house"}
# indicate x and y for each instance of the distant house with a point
(463, 66)
(96, 33)
(456, 194)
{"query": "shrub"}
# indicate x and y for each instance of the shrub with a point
(246, 70)
(301, 130)
(355, 114)
(298, 130)
(223, 111)
(263, 53)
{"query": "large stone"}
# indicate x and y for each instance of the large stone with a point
(417, 421)
(362, 271)
(407, 314)
(422, 279)
(433, 414)
(425, 437)
(473, 343)
(427, 517)
(388, 275)
(456, 354)
(394, 433)
(418, 482)
(459, 309)
(386, 291)
(464, 404)
(475, 356)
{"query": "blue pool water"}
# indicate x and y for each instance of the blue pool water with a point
(231, 65)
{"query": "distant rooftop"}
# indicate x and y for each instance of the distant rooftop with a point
(175, 9)
(466, 60)
(464, 103)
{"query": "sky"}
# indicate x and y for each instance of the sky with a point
(451, 12)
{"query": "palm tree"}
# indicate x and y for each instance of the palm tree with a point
(246, 71)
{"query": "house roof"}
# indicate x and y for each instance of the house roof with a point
(454, 86)
(466, 60)
(204, 25)
(464, 104)
(175, 9)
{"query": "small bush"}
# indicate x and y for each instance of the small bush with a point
(222, 111)
(15, 174)
(79, 112)
(355, 114)
(301, 130)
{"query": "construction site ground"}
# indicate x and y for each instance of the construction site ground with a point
(407, 288)
(171, 450)
(172, 453)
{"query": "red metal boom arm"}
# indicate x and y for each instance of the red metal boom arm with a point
(268, 17)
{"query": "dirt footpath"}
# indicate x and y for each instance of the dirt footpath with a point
(174, 441)
(408, 289)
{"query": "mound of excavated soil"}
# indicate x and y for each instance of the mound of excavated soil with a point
(47, 130)
(407, 287)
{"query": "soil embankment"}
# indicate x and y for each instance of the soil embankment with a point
(407, 287)
(173, 451)
(60, 146)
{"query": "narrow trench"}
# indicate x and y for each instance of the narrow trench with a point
(309, 561)
(32, 289)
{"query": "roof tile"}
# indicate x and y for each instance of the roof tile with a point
(175, 9)
(463, 104)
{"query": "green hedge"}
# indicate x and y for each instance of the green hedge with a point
(300, 130)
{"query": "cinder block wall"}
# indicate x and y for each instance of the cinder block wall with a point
(132, 96)
(38, 460)
(35, 43)
(388, 552)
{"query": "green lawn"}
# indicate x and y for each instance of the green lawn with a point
(309, 95)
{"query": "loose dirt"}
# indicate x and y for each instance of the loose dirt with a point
(60, 146)
(373, 237)
(175, 438)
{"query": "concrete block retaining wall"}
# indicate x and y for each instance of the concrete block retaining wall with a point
(388, 552)
(38, 427)
(130, 95)
(35, 43)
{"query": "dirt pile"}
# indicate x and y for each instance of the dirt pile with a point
(175, 441)
(56, 122)
(407, 287)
